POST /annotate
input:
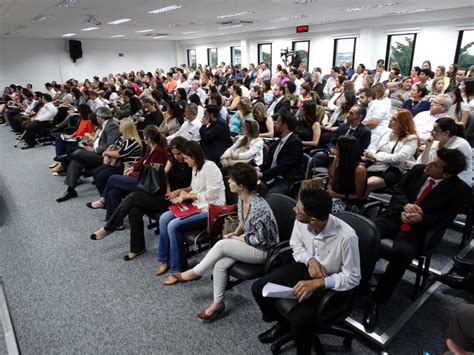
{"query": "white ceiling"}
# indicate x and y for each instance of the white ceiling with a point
(196, 16)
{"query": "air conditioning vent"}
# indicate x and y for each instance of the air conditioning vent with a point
(235, 22)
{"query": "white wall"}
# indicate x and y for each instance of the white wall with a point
(436, 39)
(38, 61)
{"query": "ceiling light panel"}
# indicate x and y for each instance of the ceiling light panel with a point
(68, 34)
(117, 36)
(118, 22)
(145, 31)
(289, 18)
(236, 14)
(406, 12)
(166, 9)
(228, 27)
(369, 7)
(189, 32)
(41, 18)
(68, 3)
(90, 29)
(305, 2)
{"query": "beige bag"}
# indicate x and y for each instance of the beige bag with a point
(319, 181)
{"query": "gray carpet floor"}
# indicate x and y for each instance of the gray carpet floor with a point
(69, 294)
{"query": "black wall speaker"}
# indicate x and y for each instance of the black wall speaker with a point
(75, 49)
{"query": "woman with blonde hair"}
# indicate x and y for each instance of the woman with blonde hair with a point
(119, 156)
(248, 148)
(264, 121)
(396, 146)
(244, 113)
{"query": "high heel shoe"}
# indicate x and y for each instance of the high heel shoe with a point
(94, 236)
(128, 258)
(211, 317)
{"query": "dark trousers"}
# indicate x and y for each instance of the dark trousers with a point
(18, 121)
(80, 159)
(302, 318)
(32, 128)
(64, 147)
(118, 186)
(135, 206)
(102, 174)
(406, 247)
(279, 186)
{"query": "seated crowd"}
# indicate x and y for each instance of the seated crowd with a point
(226, 129)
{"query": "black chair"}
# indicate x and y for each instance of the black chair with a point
(336, 306)
(431, 242)
(282, 207)
(469, 129)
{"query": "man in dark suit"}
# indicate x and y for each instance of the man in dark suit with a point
(279, 103)
(353, 128)
(427, 197)
(215, 134)
(91, 156)
(284, 163)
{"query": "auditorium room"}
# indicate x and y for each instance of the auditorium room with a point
(211, 177)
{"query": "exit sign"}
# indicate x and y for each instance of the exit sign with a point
(302, 29)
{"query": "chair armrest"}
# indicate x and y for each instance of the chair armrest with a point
(282, 256)
(218, 223)
(432, 240)
(367, 207)
(335, 306)
(313, 152)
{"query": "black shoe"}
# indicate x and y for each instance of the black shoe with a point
(371, 315)
(68, 195)
(273, 333)
(452, 281)
(28, 146)
(128, 258)
(464, 266)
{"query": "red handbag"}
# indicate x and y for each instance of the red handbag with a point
(215, 211)
(184, 210)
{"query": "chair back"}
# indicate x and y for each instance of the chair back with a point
(369, 243)
(469, 130)
(282, 207)
(265, 151)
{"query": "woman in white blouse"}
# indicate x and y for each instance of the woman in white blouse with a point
(207, 187)
(395, 147)
(448, 134)
(247, 149)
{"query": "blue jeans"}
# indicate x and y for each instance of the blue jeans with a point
(117, 187)
(170, 249)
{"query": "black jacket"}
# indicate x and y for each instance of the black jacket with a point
(289, 162)
(215, 139)
(362, 134)
(439, 207)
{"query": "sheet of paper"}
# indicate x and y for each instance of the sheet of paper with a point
(277, 291)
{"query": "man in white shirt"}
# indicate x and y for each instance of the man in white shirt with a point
(183, 82)
(425, 120)
(190, 127)
(381, 74)
(94, 102)
(378, 114)
(326, 254)
(43, 118)
(196, 89)
(245, 90)
(293, 74)
(49, 89)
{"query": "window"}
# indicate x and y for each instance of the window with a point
(344, 50)
(265, 54)
(465, 49)
(235, 55)
(400, 49)
(192, 58)
(212, 56)
(301, 48)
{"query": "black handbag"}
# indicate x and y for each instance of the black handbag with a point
(152, 179)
